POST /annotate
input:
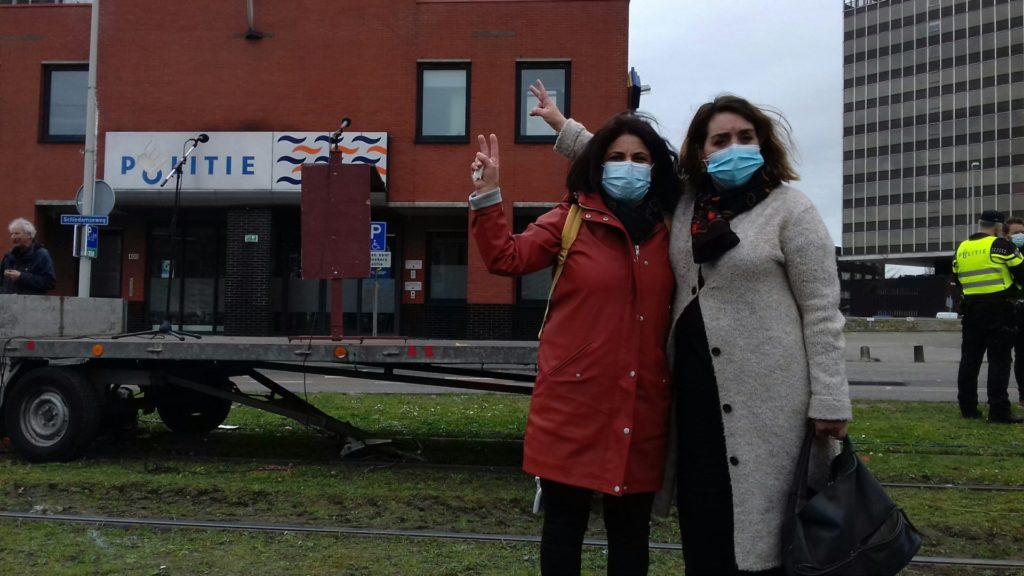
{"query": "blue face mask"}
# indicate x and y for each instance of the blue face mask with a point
(733, 166)
(1017, 239)
(626, 182)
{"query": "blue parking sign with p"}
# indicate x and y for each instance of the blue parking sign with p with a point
(92, 241)
(378, 236)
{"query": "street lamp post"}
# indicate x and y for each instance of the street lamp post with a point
(970, 211)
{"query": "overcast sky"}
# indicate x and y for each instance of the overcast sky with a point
(783, 54)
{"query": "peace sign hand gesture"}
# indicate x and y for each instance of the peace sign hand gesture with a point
(546, 107)
(485, 165)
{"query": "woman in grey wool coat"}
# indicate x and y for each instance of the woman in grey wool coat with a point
(757, 334)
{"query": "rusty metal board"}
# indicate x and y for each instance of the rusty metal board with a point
(335, 220)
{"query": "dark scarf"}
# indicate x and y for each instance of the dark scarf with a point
(713, 209)
(640, 220)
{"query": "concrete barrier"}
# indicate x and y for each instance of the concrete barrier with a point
(59, 316)
(902, 325)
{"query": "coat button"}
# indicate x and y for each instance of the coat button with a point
(716, 351)
(616, 489)
(605, 218)
(626, 431)
(646, 263)
(577, 375)
(734, 460)
(693, 290)
(641, 317)
(588, 214)
(632, 373)
(726, 408)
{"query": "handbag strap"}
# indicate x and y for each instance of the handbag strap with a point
(799, 494)
(570, 230)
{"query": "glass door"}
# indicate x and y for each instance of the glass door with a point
(195, 279)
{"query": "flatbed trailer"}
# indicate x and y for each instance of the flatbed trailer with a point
(57, 393)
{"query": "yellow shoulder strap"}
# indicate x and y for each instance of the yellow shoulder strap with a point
(569, 232)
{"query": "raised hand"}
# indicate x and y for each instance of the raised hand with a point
(485, 166)
(546, 107)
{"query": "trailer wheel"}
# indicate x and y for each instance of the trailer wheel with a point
(52, 414)
(186, 411)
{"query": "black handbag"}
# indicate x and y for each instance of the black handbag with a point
(850, 527)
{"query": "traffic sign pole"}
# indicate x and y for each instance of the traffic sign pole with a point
(89, 161)
(376, 291)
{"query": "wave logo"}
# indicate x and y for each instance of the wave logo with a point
(365, 149)
(293, 149)
(298, 152)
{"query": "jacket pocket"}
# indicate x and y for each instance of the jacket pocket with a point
(570, 358)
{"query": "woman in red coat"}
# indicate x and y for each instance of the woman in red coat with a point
(599, 411)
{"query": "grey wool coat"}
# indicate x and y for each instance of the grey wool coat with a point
(771, 309)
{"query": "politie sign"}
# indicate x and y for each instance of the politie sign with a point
(232, 160)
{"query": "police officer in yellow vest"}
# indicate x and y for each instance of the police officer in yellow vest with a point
(986, 267)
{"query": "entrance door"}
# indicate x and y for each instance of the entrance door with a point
(196, 279)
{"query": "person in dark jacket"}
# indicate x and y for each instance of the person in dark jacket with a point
(27, 268)
(1015, 234)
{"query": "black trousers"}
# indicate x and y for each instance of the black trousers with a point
(1018, 362)
(703, 489)
(991, 328)
(627, 520)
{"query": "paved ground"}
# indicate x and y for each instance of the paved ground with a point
(892, 373)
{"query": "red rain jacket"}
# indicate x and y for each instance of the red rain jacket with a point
(599, 412)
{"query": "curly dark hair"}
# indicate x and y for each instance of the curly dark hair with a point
(586, 171)
(772, 135)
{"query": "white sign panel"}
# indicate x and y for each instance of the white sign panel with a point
(232, 160)
(380, 259)
(414, 286)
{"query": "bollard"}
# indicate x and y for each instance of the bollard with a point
(918, 353)
(865, 353)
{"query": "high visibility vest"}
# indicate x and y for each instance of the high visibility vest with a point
(982, 272)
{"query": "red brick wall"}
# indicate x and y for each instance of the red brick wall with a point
(324, 60)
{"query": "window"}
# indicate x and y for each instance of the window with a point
(555, 76)
(532, 288)
(446, 280)
(63, 109)
(443, 113)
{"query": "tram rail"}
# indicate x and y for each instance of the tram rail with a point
(1002, 564)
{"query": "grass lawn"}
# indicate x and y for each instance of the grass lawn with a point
(273, 470)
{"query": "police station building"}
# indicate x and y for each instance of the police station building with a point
(268, 83)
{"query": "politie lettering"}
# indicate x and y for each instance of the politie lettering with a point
(214, 165)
